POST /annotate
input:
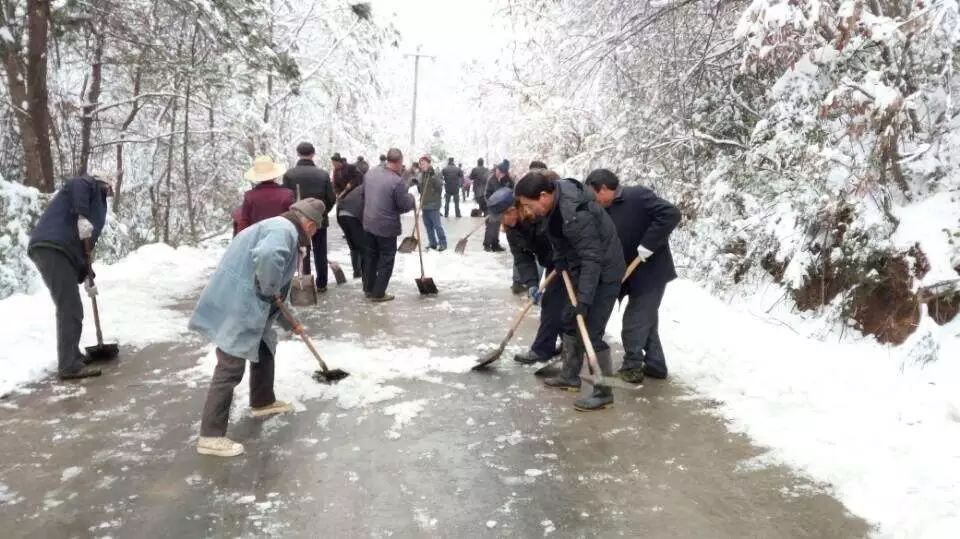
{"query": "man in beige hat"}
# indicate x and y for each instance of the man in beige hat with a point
(267, 198)
(236, 312)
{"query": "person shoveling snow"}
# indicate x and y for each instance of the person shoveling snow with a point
(236, 312)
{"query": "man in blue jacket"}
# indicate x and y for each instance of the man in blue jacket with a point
(236, 312)
(75, 217)
(644, 222)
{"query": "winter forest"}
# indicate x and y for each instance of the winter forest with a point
(811, 146)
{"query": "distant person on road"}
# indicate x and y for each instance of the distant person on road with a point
(350, 218)
(644, 222)
(336, 172)
(464, 184)
(410, 175)
(313, 182)
(385, 199)
(383, 160)
(452, 182)
(430, 187)
(585, 244)
(58, 247)
(501, 178)
(236, 311)
(267, 199)
(478, 178)
(362, 165)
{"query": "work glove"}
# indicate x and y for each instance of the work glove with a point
(643, 253)
(570, 313)
(90, 287)
(535, 294)
(84, 228)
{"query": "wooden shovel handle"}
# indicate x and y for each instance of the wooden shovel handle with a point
(582, 325)
(299, 331)
(526, 308)
(93, 299)
(633, 265)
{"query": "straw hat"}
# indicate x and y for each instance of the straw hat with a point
(264, 169)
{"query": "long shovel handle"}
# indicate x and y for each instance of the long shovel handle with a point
(476, 228)
(633, 265)
(526, 308)
(93, 298)
(584, 334)
(299, 330)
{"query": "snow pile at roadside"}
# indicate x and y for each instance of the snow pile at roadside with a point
(135, 309)
(881, 428)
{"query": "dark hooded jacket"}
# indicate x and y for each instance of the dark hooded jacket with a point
(313, 181)
(493, 184)
(584, 239)
(530, 246)
(479, 177)
(57, 228)
(643, 218)
(452, 178)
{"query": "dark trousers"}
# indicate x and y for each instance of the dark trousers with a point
(455, 195)
(356, 239)
(641, 338)
(381, 252)
(491, 235)
(226, 376)
(60, 276)
(435, 234)
(481, 203)
(319, 247)
(551, 319)
(604, 300)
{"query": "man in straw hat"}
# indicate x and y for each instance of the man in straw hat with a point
(76, 215)
(236, 312)
(267, 198)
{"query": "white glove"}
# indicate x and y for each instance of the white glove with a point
(84, 227)
(643, 253)
(90, 287)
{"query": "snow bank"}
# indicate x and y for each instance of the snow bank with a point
(880, 428)
(135, 309)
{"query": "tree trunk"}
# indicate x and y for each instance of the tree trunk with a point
(90, 103)
(117, 190)
(38, 25)
(167, 188)
(188, 189)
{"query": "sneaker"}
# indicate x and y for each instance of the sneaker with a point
(529, 358)
(83, 372)
(382, 299)
(442, 248)
(560, 382)
(278, 407)
(220, 446)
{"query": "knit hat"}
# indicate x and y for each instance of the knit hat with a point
(504, 166)
(311, 208)
(500, 201)
(426, 158)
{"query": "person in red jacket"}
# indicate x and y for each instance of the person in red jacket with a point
(267, 199)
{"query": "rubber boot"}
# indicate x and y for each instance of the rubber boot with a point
(572, 358)
(602, 396)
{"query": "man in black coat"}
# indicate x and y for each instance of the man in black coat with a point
(644, 222)
(531, 250)
(58, 246)
(452, 181)
(585, 244)
(501, 178)
(313, 182)
(478, 177)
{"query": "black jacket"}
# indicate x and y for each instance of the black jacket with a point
(643, 218)
(314, 182)
(452, 178)
(530, 246)
(584, 239)
(493, 184)
(479, 177)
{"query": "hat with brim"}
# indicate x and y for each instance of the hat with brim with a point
(264, 169)
(500, 201)
(311, 208)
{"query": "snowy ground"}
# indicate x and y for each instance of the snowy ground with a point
(876, 429)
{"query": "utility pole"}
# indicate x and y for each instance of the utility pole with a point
(416, 82)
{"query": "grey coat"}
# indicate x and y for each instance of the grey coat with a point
(351, 205)
(385, 199)
(584, 239)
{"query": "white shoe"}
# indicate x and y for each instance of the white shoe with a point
(219, 446)
(278, 407)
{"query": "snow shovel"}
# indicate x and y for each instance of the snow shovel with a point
(303, 289)
(337, 272)
(100, 352)
(495, 354)
(461, 246)
(425, 284)
(324, 375)
(408, 244)
(550, 369)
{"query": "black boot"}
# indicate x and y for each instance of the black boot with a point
(602, 396)
(83, 372)
(572, 358)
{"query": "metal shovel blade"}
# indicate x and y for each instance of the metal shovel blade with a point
(461, 246)
(426, 286)
(303, 291)
(337, 272)
(330, 376)
(103, 352)
(408, 245)
(488, 358)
